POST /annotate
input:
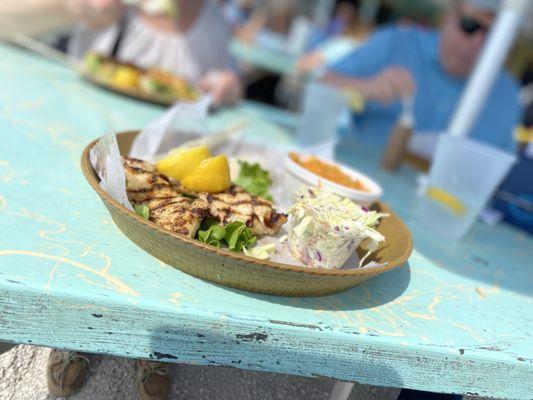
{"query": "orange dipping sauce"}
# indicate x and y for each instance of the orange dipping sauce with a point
(327, 171)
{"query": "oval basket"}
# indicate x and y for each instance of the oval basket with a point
(237, 270)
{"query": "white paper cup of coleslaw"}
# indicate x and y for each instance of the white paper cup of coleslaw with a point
(313, 252)
(296, 176)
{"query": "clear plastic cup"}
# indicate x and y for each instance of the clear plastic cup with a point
(322, 108)
(463, 176)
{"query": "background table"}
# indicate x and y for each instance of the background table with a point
(269, 60)
(457, 318)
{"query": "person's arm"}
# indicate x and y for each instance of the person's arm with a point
(370, 70)
(97, 14)
(224, 86)
(391, 84)
(34, 17)
(249, 30)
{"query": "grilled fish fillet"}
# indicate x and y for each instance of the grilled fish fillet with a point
(168, 209)
(178, 214)
(236, 204)
(144, 183)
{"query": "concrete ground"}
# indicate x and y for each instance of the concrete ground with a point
(23, 377)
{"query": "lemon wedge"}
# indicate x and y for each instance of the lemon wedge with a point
(212, 175)
(181, 162)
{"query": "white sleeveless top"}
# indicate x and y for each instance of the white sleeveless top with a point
(202, 48)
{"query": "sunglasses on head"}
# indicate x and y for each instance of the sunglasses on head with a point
(471, 25)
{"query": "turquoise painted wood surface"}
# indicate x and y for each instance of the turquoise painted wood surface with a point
(269, 60)
(457, 318)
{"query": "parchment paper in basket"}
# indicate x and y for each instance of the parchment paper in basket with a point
(165, 132)
(106, 161)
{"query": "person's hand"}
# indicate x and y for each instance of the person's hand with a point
(391, 84)
(249, 30)
(224, 86)
(310, 62)
(97, 14)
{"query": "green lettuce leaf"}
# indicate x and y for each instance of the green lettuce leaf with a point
(254, 180)
(211, 233)
(235, 235)
(142, 210)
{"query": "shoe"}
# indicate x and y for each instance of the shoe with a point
(65, 372)
(152, 381)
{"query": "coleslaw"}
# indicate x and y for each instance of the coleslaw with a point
(326, 229)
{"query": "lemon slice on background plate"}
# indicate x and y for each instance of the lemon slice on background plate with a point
(447, 199)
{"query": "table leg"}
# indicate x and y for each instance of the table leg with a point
(5, 347)
(341, 391)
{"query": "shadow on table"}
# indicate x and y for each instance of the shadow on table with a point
(375, 292)
(502, 260)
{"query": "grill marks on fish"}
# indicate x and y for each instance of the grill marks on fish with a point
(238, 205)
(168, 209)
(144, 183)
(178, 214)
(171, 210)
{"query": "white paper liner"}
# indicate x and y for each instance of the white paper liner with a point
(105, 160)
(164, 132)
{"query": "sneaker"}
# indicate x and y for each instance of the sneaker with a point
(152, 381)
(65, 372)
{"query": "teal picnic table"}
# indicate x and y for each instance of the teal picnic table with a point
(456, 318)
(268, 59)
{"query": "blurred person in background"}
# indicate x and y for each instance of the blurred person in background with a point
(237, 12)
(433, 65)
(267, 28)
(188, 38)
(339, 37)
(344, 20)
(270, 20)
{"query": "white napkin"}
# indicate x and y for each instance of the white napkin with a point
(166, 132)
(106, 161)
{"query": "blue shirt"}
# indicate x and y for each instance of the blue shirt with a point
(437, 92)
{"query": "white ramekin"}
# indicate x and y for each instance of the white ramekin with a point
(296, 176)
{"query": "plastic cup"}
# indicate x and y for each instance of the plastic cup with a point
(463, 176)
(322, 108)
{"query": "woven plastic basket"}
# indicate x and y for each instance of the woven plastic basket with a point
(242, 272)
